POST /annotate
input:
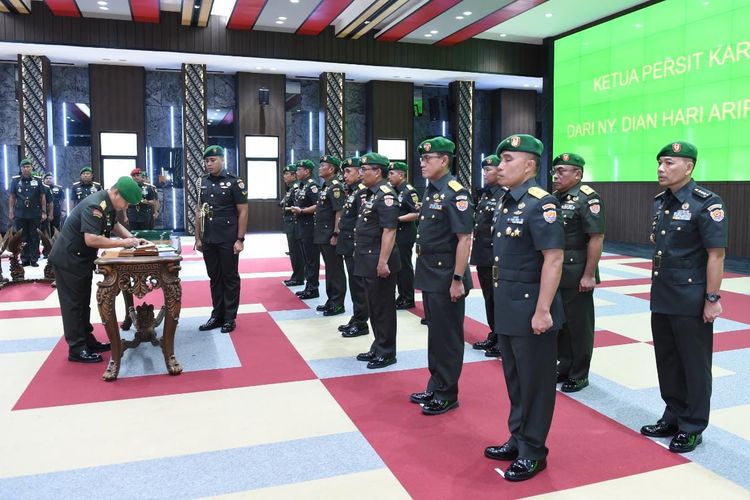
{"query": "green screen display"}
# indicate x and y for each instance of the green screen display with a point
(676, 70)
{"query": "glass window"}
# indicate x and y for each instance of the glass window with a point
(119, 144)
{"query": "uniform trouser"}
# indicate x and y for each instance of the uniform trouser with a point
(381, 303)
(295, 256)
(529, 369)
(484, 273)
(222, 264)
(684, 346)
(357, 292)
(311, 256)
(335, 276)
(136, 225)
(575, 342)
(445, 343)
(74, 294)
(30, 252)
(405, 238)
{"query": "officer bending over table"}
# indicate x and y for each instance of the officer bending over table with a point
(87, 229)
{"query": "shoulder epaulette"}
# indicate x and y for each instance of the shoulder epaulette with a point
(16, 176)
(361, 186)
(587, 189)
(701, 193)
(96, 183)
(103, 204)
(76, 183)
(537, 192)
(659, 195)
(455, 185)
(335, 182)
(410, 187)
(309, 180)
(230, 175)
(386, 189)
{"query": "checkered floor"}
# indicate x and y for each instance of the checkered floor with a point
(280, 408)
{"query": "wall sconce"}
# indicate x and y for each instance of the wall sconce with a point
(264, 96)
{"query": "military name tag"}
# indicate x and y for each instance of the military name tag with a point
(515, 220)
(568, 207)
(436, 206)
(681, 215)
(34, 183)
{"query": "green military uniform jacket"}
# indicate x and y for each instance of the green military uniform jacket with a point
(380, 211)
(330, 201)
(219, 198)
(356, 198)
(307, 196)
(81, 190)
(28, 192)
(143, 212)
(286, 203)
(583, 214)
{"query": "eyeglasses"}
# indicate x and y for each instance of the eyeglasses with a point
(427, 157)
(561, 170)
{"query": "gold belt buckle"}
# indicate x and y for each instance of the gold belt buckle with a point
(495, 273)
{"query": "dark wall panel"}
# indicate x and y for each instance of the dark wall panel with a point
(390, 114)
(117, 105)
(629, 211)
(254, 119)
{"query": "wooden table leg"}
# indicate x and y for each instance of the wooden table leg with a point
(105, 298)
(173, 302)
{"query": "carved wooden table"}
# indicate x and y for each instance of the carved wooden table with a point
(139, 276)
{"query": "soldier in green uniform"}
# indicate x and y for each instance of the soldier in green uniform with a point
(377, 260)
(304, 208)
(446, 221)
(326, 233)
(56, 198)
(481, 249)
(87, 229)
(583, 220)
(221, 224)
(408, 199)
(528, 247)
(27, 209)
(141, 215)
(85, 186)
(356, 196)
(295, 251)
(690, 236)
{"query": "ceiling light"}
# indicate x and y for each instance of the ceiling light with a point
(526, 85)
(103, 7)
(548, 14)
(294, 1)
(367, 22)
(434, 32)
(273, 69)
(101, 2)
(279, 22)
(258, 67)
(467, 13)
(459, 17)
(503, 35)
(282, 18)
(428, 35)
(197, 7)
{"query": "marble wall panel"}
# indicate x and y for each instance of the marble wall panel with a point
(163, 88)
(10, 124)
(356, 126)
(70, 84)
(221, 91)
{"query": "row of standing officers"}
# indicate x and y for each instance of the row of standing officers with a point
(537, 260)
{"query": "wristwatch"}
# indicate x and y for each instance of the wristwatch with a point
(713, 297)
(241, 239)
(457, 277)
(335, 233)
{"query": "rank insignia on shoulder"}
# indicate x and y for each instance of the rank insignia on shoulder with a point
(455, 185)
(103, 204)
(409, 187)
(701, 193)
(586, 189)
(537, 192)
(386, 189)
(659, 195)
(361, 186)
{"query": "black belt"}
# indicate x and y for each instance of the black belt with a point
(660, 262)
(433, 249)
(516, 275)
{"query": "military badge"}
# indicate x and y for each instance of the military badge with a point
(565, 157)
(337, 194)
(548, 206)
(240, 184)
(686, 205)
(96, 213)
(676, 147)
(103, 204)
(515, 141)
(388, 200)
(427, 146)
(550, 216)
(414, 198)
(717, 214)
(595, 208)
(508, 231)
(462, 205)
(314, 188)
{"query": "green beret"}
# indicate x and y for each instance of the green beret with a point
(352, 162)
(374, 159)
(399, 165)
(333, 160)
(85, 169)
(25, 161)
(491, 161)
(437, 145)
(128, 189)
(521, 142)
(569, 159)
(308, 164)
(46, 175)
(680, 149)
(290, 168)
(213, 151)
